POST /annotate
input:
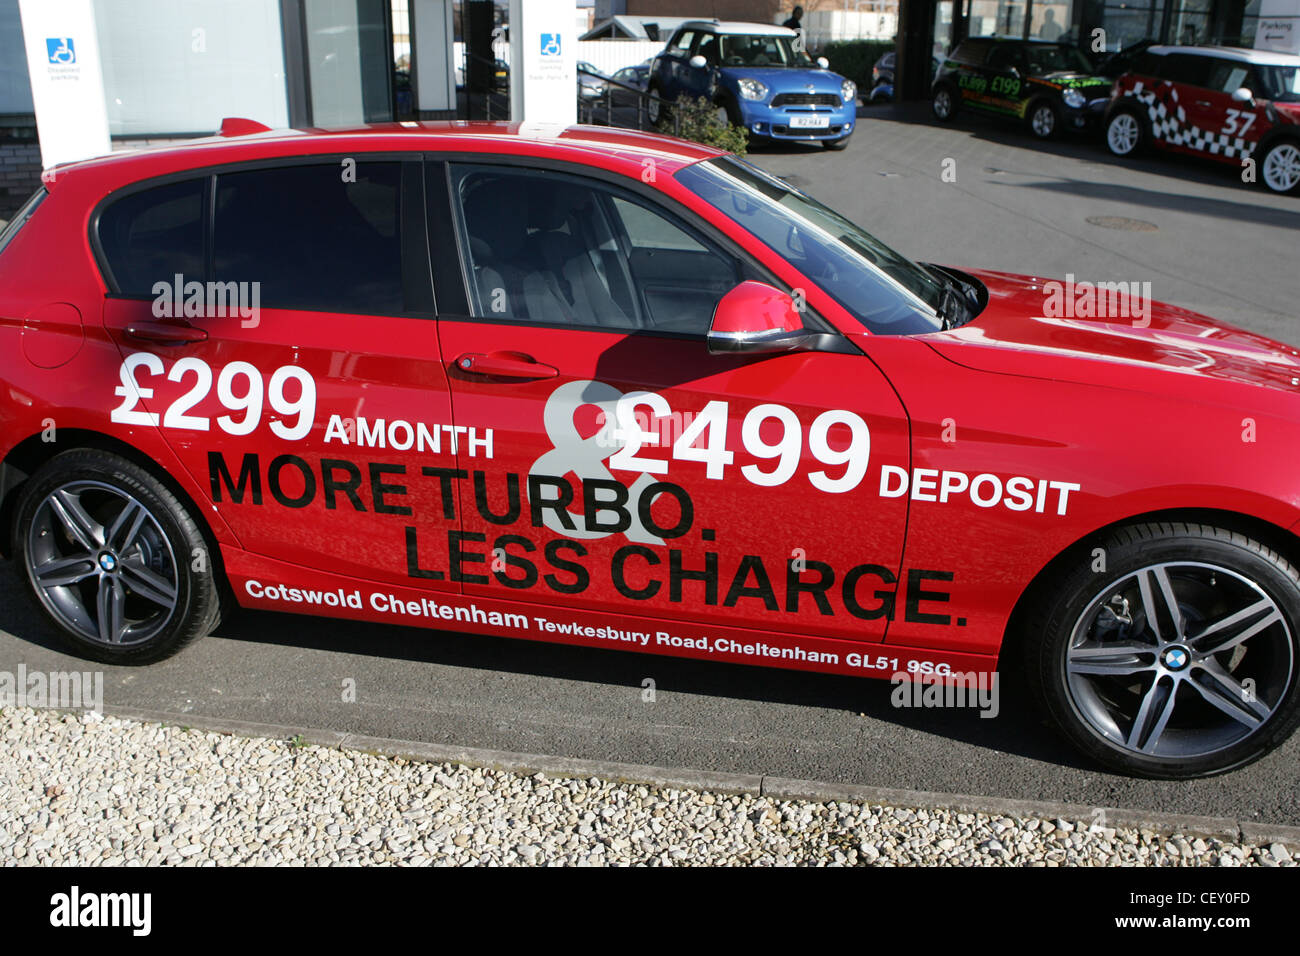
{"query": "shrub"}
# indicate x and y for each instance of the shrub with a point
(700, 123)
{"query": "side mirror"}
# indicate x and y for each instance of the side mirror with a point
(824, 63)
(698, 62)
(754, 317)
(1243, 95)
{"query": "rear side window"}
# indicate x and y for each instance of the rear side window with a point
(1188, 68)
(152, 235)
(972, 52)
(314, 237)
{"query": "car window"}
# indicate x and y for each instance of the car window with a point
(155, 234)
(1187, 68)
(566, 250)
(317, 237)
(20, 217)
(972, 52)
(1044, 58)
(1227, 76)
(683, 42)
(1281, 83)
(1004, 57)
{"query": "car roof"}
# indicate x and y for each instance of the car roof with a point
(1267, 57)
(738, 27)
(605, 147)
(994, 38)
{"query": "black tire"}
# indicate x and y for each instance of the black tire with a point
(1076, 662)
(731, 111)
(162, 574)
(1043, 119)
(1127, 133)
(1281, 157)
(658, 111)
(837, 144)
(945, 102)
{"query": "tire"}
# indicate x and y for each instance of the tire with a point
(1279, 168)
(1126, 133)
(115, 561)
(1043, 119)
(729, 113)
(657, 111)
(837, 144)
(1177, 705)
(945, 103)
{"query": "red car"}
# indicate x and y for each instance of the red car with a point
(617, 390)
(1224, 103)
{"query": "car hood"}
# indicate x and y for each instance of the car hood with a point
(1289, 111)
(785, 80)
(1015, 335)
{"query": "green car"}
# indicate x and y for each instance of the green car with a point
(1048, 86)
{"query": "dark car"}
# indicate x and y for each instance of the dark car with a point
(882, 77)
(1048, 86)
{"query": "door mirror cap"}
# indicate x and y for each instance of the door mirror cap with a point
(824, 63)
(1243, 95)
(755, 317)
(698, 62)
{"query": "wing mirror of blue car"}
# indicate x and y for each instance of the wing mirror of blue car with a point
(1243, 95)
(698, 62)
(824, 63)
(755, 317)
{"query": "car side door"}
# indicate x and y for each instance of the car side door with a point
(1231, 127)
(276, 324)
(1004, 72)
(631, 470)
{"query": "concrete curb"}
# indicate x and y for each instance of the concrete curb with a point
(779, 788)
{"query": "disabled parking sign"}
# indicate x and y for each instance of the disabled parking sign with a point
(550, 44)
(60, 50)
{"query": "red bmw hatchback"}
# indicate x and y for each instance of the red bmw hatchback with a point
(616, 390)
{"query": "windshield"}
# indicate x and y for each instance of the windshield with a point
(886, 292)
(1055, 59)
(758, 50)
(1281, 83)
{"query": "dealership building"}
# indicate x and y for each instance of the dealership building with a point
(113, 74)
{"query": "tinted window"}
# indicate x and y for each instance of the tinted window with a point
(313, 238)
(1227, 76)
(1187, 68)
(565, 250)
(1005, 56)
(152, 235)
(971, 52)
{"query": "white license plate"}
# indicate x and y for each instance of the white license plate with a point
(809, 122)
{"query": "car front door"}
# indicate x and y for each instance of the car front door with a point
(1229, 128)
(630, 470)
(276, 324)
(1005, 74)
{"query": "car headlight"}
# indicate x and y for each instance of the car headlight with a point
(752, 89)
(1074, 99)
(849, 92)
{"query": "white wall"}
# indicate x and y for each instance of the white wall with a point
(1279, 26)
(181, 66)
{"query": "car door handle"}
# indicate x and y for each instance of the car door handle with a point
(163, 333)
(1202, 102)
(504, 365)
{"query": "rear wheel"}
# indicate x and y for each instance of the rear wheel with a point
(115, 561)
(1280, 168)
(1179, 659)
(656, 108)
(1125, 134)
(944, 103)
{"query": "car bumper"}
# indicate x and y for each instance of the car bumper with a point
(1085, 117)
(784, 122)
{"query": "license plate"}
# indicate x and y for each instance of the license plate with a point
(809, 122)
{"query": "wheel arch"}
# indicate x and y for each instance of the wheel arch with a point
(1274, 536)
(27, 456)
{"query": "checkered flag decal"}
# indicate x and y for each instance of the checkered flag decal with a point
(1169, 123)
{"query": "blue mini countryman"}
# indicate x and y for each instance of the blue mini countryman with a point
(760, 78)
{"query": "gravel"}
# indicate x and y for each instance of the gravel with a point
(102, 790)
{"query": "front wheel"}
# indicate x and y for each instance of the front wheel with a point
(1280, 169)
(656, 109)
(115, 561)
(1170, 651)
(1043, 121)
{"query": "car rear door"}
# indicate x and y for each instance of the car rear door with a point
(276, 323)
(630, 470)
